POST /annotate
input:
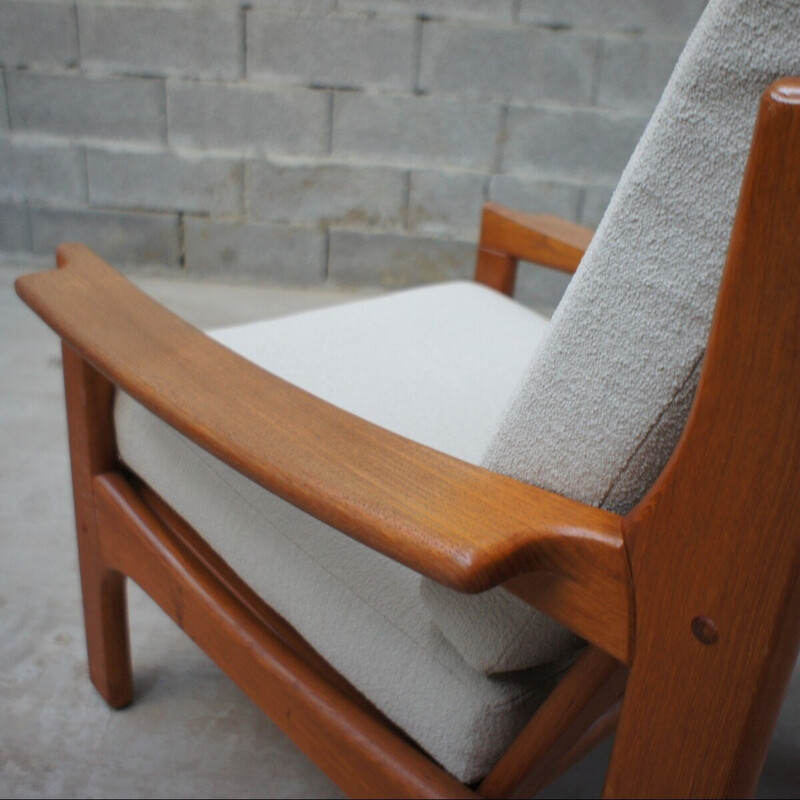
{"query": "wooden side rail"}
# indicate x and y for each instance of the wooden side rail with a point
(508, 236)
(461, 525)
(577, 715)
(353, 745)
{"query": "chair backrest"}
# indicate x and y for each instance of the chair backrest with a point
(608, 391)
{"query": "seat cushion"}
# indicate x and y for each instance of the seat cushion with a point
(609, 389)
(436, 365)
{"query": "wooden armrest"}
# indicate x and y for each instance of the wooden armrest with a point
(508, 236)
(463, 526)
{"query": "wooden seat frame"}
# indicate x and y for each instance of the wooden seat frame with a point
(690, 602)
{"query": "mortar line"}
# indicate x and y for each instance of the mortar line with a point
(329, 132)
(28, 226)
(165, 130)
(243, 192)
(85, 151)
(418, 23)
(501, 139)
(181, 242)
(77, 34)
(580, 206)
(6, 105)
(596, 71)
(407, 200)
(243, 9)
(245, 204)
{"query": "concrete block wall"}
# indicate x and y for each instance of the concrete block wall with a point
(305, 141)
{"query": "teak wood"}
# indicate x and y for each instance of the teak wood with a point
(579, 713)
(92, 450)
(461, 525)
(715, 545)
(348, 741)
(697, 589)
(509, 236)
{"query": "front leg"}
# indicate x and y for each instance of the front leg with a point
(89, 398)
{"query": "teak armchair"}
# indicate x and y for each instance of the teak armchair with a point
(690, 601)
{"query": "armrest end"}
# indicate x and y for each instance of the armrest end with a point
(508, 236)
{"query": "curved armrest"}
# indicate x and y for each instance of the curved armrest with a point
(461, 525)
(508, 236)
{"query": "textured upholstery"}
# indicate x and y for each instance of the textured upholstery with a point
(608, 391)
(590, 407)
(436, 365)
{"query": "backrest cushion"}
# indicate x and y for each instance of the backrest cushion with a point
(609, 389)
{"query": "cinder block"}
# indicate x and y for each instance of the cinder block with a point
(348, 52)
(537, 287)
(446, 203)
(450, 9)
(38, 34)
(75, 105)
(15, 228)
(676, 17)
(310, 7)
(164, 181)
(423, 131)
(595, 202)
(273, 252)
(3, 101)
(634, 72)
(583, 144)
(120, 238)
(535, 196)
(540, 288)
(41, 173)
(363, 258)
(507, 62)
(248, 118)
(193, 39)
(325, 193)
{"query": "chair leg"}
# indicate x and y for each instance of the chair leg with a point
(89, 398)
(105, 615)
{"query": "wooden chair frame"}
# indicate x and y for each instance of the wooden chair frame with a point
(691, 602)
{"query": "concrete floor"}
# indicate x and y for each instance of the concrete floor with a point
(190, 731)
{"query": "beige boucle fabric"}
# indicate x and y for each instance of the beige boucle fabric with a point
(608, 391)
(436, 365)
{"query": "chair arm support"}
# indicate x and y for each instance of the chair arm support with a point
(463, 526)
(508, 236)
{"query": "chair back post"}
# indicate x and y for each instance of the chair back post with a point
(715, 545)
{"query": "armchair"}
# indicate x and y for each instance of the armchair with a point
(222, 488)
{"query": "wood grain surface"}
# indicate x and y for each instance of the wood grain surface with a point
(508, 236)
(558, 731)
(92, 450)
(348, 741)
(715, 546)
(461, 525)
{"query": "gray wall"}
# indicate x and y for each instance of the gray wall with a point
(304, 141)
